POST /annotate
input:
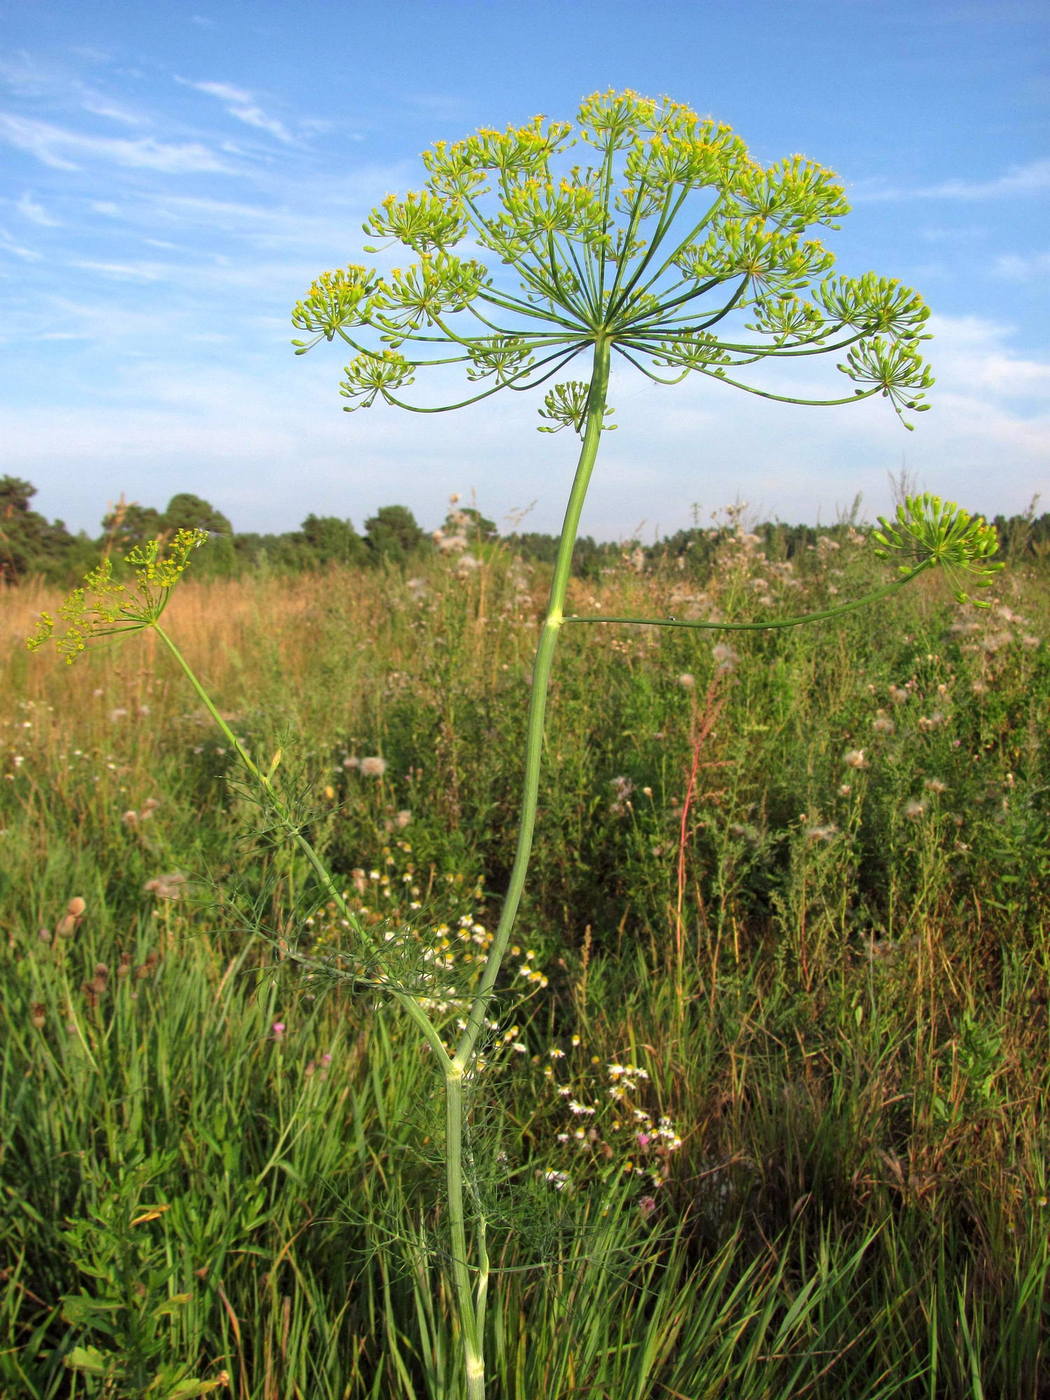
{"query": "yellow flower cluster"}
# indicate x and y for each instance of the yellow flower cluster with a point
(103, 606)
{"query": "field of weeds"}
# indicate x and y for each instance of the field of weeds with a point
(764, 1110)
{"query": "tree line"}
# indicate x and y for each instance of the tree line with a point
(32, 546)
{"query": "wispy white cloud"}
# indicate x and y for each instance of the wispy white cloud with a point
(100, 106)
(25, 76)
(109, 325)
(243, 106)
(221, 213)
(445, 106)
(124, 272)
(18, 250)
(36, 213)
(1030, 178)
(321, 126)
(1018, 268)
(62, 149)
(309, 224)
(91, 53)
(973, 355)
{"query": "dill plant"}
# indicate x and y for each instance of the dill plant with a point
(668, 247)
(665, 247)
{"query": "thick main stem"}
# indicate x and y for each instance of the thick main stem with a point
(470, 1306)
(541, 673)
(471, 1301)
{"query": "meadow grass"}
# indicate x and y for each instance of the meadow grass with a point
(762, 1112)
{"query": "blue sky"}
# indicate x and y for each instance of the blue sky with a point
(173, 175)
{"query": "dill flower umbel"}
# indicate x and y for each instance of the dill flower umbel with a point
(104, 606)
(928, 531)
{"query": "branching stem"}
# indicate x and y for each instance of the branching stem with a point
(772, 623)
(293, 830)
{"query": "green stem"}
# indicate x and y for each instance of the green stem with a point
(471, 1310)
(331, 889)
(264, 780)
(541, 673)
(470, 1300)
(836, 611)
